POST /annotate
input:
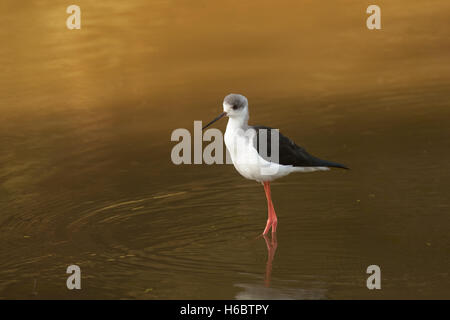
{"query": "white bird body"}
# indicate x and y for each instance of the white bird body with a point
(246, 145)
(240, 142)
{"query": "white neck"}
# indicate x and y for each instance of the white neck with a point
(238, 123)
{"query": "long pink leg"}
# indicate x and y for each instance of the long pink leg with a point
(272, 220)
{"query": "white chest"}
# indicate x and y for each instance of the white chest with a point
(240, 145)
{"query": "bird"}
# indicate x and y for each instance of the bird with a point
(262, 153)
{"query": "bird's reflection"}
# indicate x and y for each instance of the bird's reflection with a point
(258, 291)
(272, 245)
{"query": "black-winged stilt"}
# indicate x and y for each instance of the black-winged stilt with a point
(250, 155)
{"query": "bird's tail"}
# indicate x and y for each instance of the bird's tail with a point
(332, 164)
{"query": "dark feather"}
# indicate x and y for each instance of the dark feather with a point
(290, 153)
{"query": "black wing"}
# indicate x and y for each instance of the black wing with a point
(290, 153)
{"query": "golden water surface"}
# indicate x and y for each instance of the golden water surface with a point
(86, 176)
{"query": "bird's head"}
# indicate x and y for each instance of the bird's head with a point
(234, 106)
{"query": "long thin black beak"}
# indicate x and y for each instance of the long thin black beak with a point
(223, 114)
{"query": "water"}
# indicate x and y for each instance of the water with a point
(86, 176)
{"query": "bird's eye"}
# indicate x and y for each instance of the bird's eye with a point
(234, 107)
